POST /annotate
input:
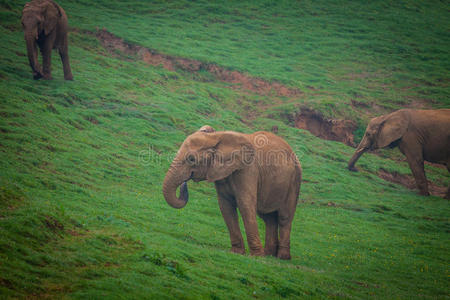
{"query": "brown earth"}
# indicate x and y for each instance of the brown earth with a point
(410, 183)
(238, 80)
(329, 129)
(313, 121)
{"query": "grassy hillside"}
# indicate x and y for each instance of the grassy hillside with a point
(82, 163)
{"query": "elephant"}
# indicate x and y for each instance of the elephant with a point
(45, 26)
(258, 173)
(421, 135)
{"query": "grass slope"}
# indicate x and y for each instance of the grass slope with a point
(82, 162)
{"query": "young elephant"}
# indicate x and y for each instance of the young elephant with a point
(45, 25)
(257, 173)
(419, 134)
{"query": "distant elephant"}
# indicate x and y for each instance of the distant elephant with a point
(419, 134)
(257, 173)
(45, 25)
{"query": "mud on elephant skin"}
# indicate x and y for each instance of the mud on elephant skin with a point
(421, 135)
(257, 173)
(45, 27)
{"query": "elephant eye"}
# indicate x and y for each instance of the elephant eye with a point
(191, 159)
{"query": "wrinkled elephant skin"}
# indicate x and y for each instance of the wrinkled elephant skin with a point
(257, 173)
(421, 135)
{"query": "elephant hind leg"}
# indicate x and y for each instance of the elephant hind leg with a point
(284, 247)
(271, 245)
(64, 54)
(285, 217)
(448, 191)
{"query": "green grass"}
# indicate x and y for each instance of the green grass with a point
(82, 163)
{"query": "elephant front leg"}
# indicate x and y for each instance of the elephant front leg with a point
(248, 213)
(46, 62)
(416, 164)
(230, 216)
(46, 50)
(33, 59)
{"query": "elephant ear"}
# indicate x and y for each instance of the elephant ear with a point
(232, 152)
(51, 16)
(393, 128)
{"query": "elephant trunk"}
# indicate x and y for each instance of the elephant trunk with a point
(30, 39)
(363, 146)
(355, 157)
(174, 178)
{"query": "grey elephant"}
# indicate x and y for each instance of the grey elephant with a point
(257, 173)
(421, 135)
(45, 26)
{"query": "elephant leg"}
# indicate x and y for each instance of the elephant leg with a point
(34, 61)
(46, 50)
(248, 213)
(415, 161)
(230, 216)
(448, 190)
(271, 221)
(64, 54)
(284, 248)
(285, 217)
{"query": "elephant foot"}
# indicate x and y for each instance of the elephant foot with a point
(238, 250)
(424, 193)
(284, 253)
(270, 251)
(37, 76)
(259, 252)
(68, 77)
(353, 169)
(47, 77)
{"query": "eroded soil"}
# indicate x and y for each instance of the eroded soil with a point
(238, 80)
(328, 129)
(409, 182)
(313, 121)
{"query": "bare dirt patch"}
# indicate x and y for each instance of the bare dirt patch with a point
(238, 79)
(368, 108)
(53, 224)
(410, 183)
(328, 129)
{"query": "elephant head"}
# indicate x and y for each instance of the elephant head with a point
(205, 155)
(38, 18)
(381, 132)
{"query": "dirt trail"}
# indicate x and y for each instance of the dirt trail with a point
(410, 183)
(239, 80)
(313, 121)
(328, 129)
